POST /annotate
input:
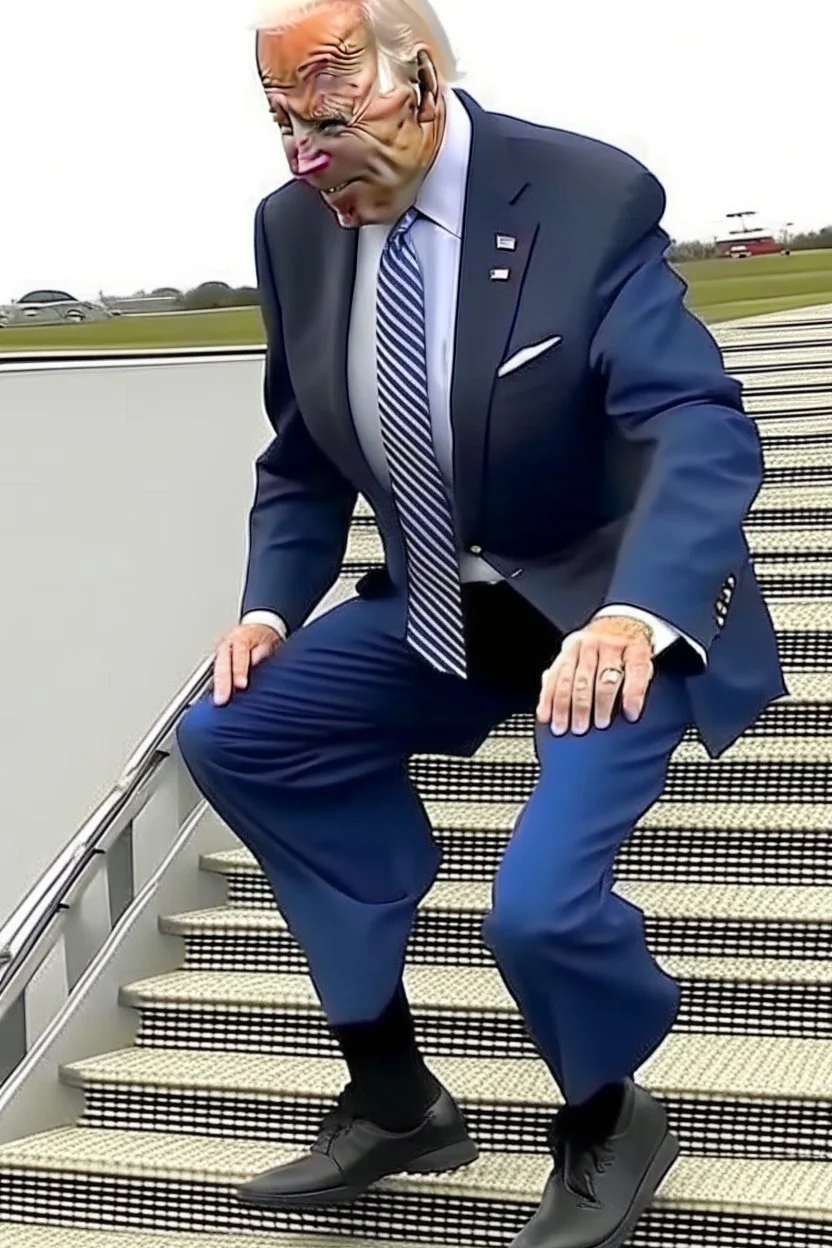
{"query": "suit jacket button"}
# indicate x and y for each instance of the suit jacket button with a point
(476, 550)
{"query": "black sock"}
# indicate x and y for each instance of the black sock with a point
(593, 1120)
(390, 1083)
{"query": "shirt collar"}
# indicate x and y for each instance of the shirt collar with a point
(441, 197)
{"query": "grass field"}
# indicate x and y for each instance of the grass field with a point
(720, 290)
(724, 290)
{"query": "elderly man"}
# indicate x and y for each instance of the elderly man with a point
(472, 323)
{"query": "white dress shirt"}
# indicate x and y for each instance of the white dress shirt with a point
(437, 237)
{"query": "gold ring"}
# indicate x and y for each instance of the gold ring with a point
(612, 675)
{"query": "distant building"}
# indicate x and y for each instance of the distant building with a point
(748, 243)
(136, 305)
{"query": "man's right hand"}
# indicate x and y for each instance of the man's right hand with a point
(237, 653)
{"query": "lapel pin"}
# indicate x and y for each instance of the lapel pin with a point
(505, 242)
(499, 275)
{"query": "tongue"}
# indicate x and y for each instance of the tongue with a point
(311, 162)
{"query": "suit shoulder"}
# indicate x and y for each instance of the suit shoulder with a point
(583, 164)
(283, 205)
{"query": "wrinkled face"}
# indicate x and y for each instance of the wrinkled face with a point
(362, 143)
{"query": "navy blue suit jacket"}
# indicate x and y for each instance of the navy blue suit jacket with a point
(616, 468)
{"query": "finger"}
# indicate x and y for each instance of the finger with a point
(608, 682)
(240, 662)
(547, 688)
(260, 652)
(562, 691)
(547, 680)
(638, 672)
(222, 674)
(583, 686)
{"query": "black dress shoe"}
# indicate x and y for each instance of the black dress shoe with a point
(351, 1153)
(597, 1192)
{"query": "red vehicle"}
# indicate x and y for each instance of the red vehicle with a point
(738, 248)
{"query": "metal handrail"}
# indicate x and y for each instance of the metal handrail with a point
(15, 361)
(22, 931)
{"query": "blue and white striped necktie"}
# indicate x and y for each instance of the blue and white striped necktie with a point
(434, 614)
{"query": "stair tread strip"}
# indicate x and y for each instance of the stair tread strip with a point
(785, 1189)
(750, 902)
(711, 818)
(453, 989)
(686, 1066)
(795, 426)
(30, 1235)
(769, 495)
(365, 544)
(502, 816)
(807, 615)
(521, 749)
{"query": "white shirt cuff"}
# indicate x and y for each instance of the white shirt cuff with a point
(270, 619)
(664, 634)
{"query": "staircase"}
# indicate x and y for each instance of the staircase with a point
(232, 1066)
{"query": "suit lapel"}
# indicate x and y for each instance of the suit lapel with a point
(487, 305)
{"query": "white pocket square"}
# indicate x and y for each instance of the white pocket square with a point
(527, 353)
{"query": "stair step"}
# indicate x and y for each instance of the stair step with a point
(783, 402)
(797, 579)
(163, 1181)
(693, 815)
(687, 841)
(794, 428)
(712, 818)
(799, 456)
(805, 712)
(29, 1235)
(807, 498)
(519, 749)
(755, 904)
(803, 502)
(464, 1010)
(720, 843)
(769, 495)
(758, 770)
(364, 545)
(771, 520)
(691, 920)
(795, 355)
(727, 1096)
(787, 379)
(705, 856)
(786, 327)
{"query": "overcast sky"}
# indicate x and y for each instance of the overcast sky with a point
(135, 144)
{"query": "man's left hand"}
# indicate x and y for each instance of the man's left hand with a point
(611, 657)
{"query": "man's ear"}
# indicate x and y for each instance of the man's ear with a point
(428, 82)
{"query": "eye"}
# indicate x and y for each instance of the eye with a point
(331, 125)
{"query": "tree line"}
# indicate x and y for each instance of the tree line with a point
(200, 298)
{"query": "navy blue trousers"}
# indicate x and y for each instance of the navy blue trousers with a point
(309, 767)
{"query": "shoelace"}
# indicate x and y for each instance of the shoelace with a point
(338, 1120)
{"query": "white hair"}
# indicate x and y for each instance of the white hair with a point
(399, 27)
